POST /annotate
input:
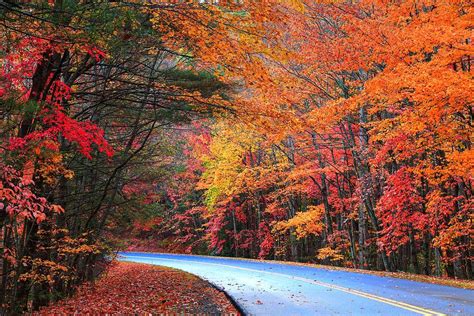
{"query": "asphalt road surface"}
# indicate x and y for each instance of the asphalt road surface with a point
(266, 288)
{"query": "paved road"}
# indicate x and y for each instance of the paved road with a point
(266, 288)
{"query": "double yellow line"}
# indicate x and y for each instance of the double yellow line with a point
(413, 308)
(402, 305)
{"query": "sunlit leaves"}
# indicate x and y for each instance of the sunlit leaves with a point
(304, 223)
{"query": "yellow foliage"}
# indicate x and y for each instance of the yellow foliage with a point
(329, 253)
(295, 4)
(225, 174)
(304, 223)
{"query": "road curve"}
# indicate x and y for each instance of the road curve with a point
(266, 288)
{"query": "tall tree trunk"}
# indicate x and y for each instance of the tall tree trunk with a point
(363, 171)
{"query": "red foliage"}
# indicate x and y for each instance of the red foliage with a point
(18, 198)
(400, 210)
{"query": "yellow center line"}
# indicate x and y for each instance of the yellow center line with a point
(402, 305)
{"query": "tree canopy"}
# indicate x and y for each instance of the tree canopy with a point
(337, 132)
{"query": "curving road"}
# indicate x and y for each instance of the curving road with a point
(266, 288)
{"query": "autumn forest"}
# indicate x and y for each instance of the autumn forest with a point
(331, 132)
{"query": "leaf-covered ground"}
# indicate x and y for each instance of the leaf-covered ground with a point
(133, 288)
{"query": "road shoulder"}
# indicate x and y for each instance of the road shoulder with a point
(134, 288)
